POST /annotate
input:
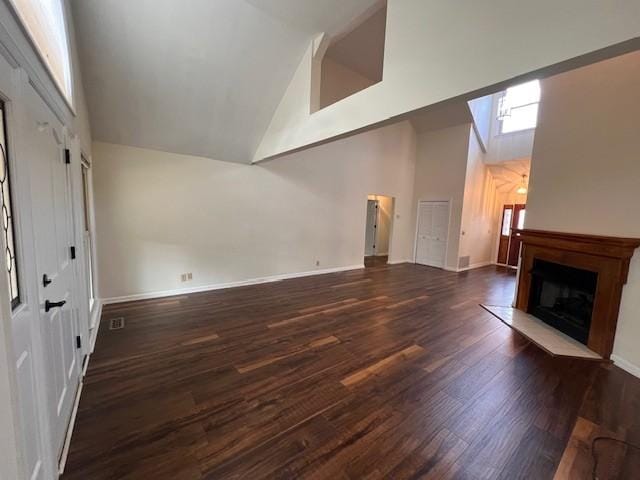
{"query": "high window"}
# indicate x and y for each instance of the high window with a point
(518, 107)
(8, 231)
(45, 23)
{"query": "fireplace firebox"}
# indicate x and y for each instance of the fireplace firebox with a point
(563, 297)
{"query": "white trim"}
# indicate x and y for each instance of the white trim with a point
(381, 254)
(470, 267)
(625, 365)
(475, 265)
(219, 286)
(396, 262)
(72, 422)
(95, 324)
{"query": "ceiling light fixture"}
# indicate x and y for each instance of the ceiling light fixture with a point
(522, 189)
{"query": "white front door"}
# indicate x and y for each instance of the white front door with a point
(53, 231)
(433, 228)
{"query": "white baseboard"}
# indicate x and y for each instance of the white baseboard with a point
(95, 323)
(396, 262)
(475, 265)
(470, 267)
(381, 254)
(626, 365)
(220, 286)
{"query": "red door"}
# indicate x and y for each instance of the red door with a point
(512, 221)
(505, 234)
(517, 223)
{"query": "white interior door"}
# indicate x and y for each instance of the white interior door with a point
(433, 228)
(372, 227)
(53, 231)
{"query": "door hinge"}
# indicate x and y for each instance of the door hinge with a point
(67, 156)
(78, 341)
(73, 252)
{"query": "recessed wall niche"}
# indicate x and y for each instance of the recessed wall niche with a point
(354, 59)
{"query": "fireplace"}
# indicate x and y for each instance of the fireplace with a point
(563, 297)
(574, 283)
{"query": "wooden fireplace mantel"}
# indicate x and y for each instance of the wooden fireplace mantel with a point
(609, 257)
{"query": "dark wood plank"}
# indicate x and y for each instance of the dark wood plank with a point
(393, 371)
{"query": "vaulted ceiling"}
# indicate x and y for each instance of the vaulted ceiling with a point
(508, 175)
(197, 77)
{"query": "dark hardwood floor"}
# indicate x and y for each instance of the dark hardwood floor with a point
(387, 372)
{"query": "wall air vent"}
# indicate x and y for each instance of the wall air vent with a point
(116, 323)
(463, 262)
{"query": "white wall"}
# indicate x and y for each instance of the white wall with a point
(428, 60)
(482, 112)
(441, 164)
(251, 221)
(478, 212)
(585, 173)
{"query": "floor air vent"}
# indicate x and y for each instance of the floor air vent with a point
(116, 323)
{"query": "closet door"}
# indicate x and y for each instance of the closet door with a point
(433, 228)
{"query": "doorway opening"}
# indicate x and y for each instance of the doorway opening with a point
(513, 216)
(379, 225)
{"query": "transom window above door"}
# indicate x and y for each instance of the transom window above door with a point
(44, 21)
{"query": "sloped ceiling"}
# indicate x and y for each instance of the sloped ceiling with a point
(196, 77)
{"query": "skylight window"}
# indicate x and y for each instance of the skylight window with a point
(518, 108)
(44, 22)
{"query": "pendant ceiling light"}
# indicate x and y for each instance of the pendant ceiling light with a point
(522, 189)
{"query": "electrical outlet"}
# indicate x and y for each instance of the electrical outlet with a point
(317, 263)
(183, 277)
(189, 276)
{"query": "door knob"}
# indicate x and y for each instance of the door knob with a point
(46, 280)
(49, 305)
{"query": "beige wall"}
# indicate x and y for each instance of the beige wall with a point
(339, 82)
(159, 215)
(478, 212)
(441, 164)
(585, 169)
(81, 120)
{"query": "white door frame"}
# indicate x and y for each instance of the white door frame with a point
(415, 238)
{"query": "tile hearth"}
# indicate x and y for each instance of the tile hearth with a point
(546, 337)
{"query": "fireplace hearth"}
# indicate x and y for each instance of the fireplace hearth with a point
(574, 283)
